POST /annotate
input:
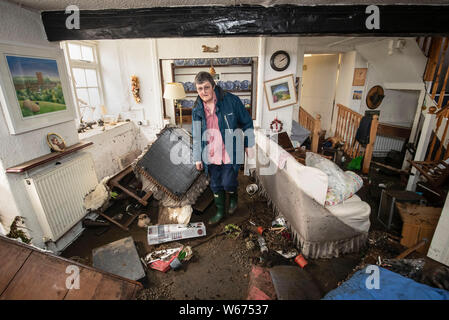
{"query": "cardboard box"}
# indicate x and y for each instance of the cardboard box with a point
(419, 222)
(172, 232)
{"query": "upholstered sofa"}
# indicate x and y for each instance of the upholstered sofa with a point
(298, 193)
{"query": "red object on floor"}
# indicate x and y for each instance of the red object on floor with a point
(163, 266)
(301, 261)
(260, 285)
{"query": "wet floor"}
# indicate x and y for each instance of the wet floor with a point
(220, 268)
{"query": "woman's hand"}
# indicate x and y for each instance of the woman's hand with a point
(199, 165)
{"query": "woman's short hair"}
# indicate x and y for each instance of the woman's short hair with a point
(204, 76)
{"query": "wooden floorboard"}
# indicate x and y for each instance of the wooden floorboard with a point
(41, 278)
(27, 273)
(96, 286)
(11, 260)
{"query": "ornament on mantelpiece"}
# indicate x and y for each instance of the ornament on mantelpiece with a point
(276, 125)
(210, 49)
(135, 88)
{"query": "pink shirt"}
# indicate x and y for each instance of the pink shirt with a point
(215, 145)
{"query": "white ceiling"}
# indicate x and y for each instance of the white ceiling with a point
(51, 5)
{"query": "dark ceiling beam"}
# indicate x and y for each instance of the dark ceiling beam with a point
(282, 20)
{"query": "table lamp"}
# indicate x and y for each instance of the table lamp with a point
(175, 90)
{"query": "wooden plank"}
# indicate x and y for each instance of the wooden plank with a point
(432, 62)
(434, 140)
(12, 259)
(440, 149)
(443, 88)
(441, 63)
(97, 286)
(25, 166)
(48, 269)
(394, 131)
(42, 277)
(204, 200)
(316, 134)
(370, 147)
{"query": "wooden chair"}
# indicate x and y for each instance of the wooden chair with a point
(117, 181)
(436, 172)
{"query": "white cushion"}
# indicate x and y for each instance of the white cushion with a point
(354, 212)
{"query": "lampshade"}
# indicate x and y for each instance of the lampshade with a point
(174, 90)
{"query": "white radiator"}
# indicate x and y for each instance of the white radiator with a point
(383, 145)
(57, 194)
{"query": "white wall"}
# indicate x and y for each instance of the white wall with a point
(272, 45)
(439, 247)
(402, 66)
(179, 48)
(319, 86)
(23, 27)
(120, 59)
(344, 86)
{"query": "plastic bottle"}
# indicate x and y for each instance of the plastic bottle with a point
(262, 244)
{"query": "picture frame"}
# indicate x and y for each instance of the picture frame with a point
(34, 87)
(357, 95)
(280, 92)
(359, 77)
(56, 142)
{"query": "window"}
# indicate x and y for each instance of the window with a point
(82, 61)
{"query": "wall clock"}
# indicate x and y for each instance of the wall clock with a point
(280, 60)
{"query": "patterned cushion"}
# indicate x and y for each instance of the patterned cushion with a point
(353, 184)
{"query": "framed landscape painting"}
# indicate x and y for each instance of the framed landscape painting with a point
(34, 88)
(280, 92)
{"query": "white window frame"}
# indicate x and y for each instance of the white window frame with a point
(95, 65)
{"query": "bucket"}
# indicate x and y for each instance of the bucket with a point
(252, 189)
(300, 260)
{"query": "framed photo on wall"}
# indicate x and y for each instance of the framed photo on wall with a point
(34, 90)
(359, 77)
(280, 92)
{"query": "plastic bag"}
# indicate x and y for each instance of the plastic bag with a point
(341, 185)
(355, 164)
(336, 176)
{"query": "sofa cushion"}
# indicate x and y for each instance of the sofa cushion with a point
(353, 212)
(341, 185)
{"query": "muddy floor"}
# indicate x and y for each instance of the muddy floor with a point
(220, 267)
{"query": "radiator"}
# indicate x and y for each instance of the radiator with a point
(57, 194)
(384, 144)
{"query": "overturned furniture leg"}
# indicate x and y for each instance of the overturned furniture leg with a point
(115, 181)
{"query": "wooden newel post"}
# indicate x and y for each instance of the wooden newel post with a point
(370, 146)
(316, 133)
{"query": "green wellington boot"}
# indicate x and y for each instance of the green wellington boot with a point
(232, 202)
(219, 199)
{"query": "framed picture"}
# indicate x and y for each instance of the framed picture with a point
(357, 95)
(359, 77)
(34, 90)
(280, 92)
(55, 142)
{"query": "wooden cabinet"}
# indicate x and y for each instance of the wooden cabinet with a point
(235, 75)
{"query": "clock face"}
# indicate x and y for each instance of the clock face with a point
(280, 60)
